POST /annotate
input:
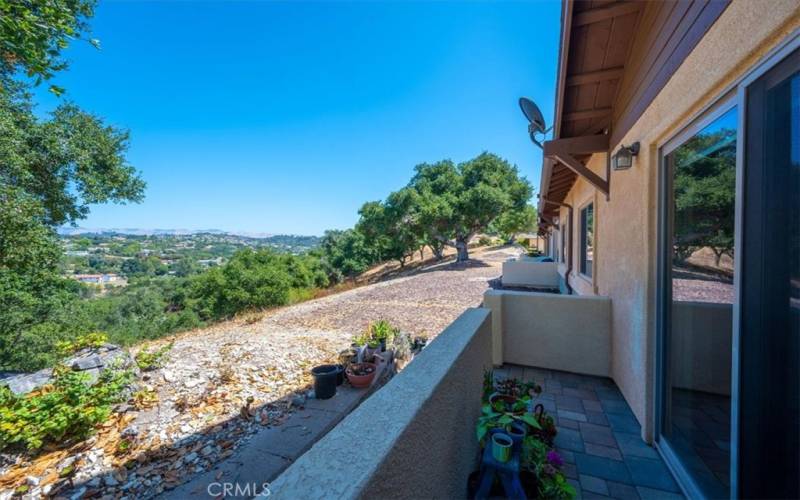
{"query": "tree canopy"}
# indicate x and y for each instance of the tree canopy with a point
(34, 32)
(705, 194)
(512, 222)
(458, 201)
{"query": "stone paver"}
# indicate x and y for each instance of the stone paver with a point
(599, 437)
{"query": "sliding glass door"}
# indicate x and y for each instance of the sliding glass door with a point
(768, 430)
(728, 350)
(698, 252)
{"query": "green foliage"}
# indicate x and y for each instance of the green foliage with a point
(148, 360)
(66, 410)
(347, 253)
(50, 171)
(514, 221)
(251, 279)
(705, 191)
(91, 340)
(382, 331)
(455, 202)
(34, 32)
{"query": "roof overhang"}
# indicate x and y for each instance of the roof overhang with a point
(596, 36)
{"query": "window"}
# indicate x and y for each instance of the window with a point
(587, 239)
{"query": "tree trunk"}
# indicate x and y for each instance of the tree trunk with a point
(422, 253)
(463, 253)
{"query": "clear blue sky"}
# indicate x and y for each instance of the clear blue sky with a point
(286, 117)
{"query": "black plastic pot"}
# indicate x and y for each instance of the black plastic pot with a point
(325, 377)
(340, 374)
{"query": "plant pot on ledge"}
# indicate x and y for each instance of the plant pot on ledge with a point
(360, 375)
(325, 380)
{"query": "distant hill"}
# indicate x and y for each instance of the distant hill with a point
(71, 231)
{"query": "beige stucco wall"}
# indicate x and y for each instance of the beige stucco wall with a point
(528, 272)
(415, 437)
(626, 225)
(546, 330)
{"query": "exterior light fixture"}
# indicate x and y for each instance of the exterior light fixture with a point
(623, 159)
(536, 125)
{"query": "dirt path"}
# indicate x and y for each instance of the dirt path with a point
(190, 414)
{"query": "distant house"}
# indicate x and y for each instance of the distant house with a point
(97, 278)
(210, 262)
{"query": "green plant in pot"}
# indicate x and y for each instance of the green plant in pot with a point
(383, 332)
(373, 346)
(501, 416)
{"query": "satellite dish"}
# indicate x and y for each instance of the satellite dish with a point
(532, 113)
(536, 124)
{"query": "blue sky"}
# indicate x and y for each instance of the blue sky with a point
(284, 117)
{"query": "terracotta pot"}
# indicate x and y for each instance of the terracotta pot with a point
(361, 381)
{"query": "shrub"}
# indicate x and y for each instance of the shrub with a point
(92, 340)
(148, 360)
(65, 410)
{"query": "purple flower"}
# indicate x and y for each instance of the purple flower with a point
(554, 458)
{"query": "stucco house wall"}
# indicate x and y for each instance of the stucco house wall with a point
(626, 224)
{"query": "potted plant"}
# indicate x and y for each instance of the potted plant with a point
(325, 380)
(383, 332)
(360, 375)
(401, 346)
(502, 445)
(547, 427)
(373, 346)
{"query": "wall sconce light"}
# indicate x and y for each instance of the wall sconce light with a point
(623, 159)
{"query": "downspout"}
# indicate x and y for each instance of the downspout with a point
(571, 232)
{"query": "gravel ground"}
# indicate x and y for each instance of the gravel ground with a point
(222, 384)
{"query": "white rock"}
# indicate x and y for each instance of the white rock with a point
(191, 457)
(110, 481)
(169, 376)
(207, 450)
(32, 481)
(192, 382)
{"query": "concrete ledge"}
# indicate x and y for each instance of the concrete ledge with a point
(530, 273)
(414, 438)
(561, 332)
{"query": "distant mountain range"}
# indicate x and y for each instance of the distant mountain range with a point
(69, 231)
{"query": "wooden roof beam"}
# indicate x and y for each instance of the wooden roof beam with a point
(595, 76)
(583, 145)
(579, 168)
(599, 14)
(589, 113)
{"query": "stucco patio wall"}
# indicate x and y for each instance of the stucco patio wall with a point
(560, 332)
(530, 273)
(415, 437)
